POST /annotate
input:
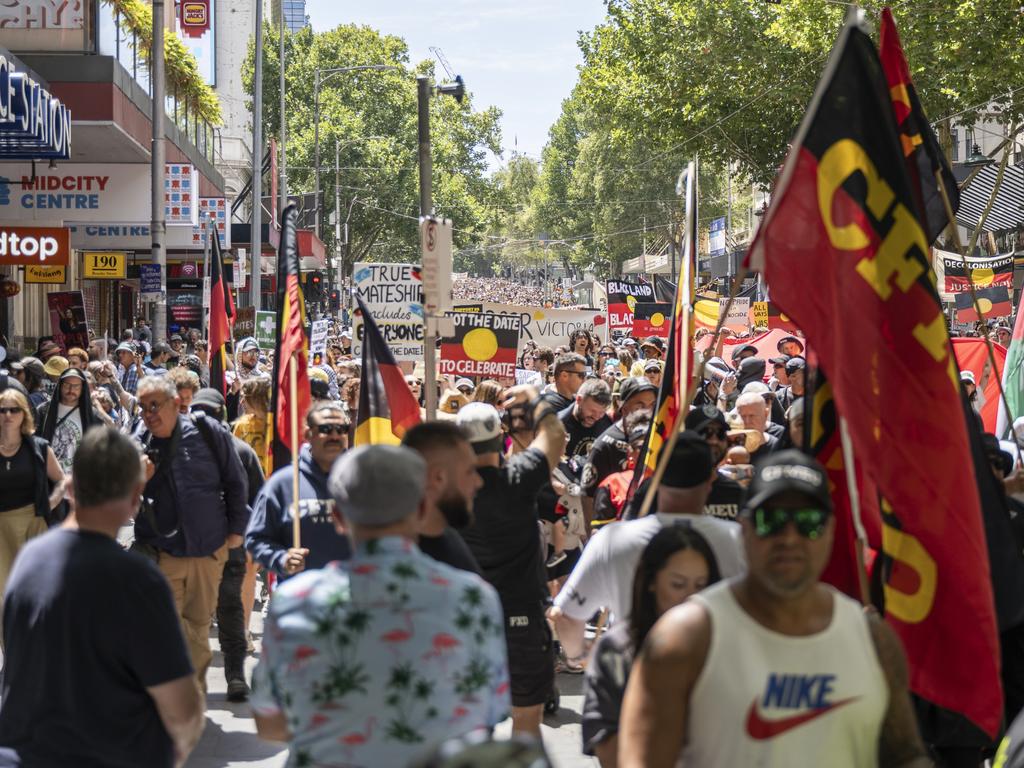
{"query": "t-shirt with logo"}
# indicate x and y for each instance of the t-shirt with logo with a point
(726, 498)
(609, 454)
(67, 435)
(773, 700)
(581, 438)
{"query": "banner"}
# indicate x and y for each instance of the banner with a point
(984, 272)
(318, 341)
(393, 294)
(67, 319)
(546, 327)
(622, 300)
(652, 319)
(484, 345)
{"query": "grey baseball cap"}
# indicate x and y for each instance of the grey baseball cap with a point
(378, 485)
(248, 344)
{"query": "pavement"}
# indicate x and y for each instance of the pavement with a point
(230, 740)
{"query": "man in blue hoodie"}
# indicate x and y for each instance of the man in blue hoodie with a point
(269, 536)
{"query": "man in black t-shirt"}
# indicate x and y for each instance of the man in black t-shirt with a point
(505, 539)
(96, 671)
(727, 495)
(452, 482)
(587, 418)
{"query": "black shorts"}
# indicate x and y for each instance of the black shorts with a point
(564, 568)
(531, 656)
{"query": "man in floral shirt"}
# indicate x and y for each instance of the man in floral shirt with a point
(374, 661)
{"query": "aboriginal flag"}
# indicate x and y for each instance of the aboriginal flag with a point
(846, 257)
(992, 302)
(923, 156)
(222, 313)
(291, 347)
(651, 319)
(386, 405)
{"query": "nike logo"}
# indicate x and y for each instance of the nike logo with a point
(760, 729)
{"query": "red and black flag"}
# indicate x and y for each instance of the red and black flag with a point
(652, 318)
(387, 408)
(992, 302)
(664, 289)
(923, 156)
(847, 258)
(222, 314)
(979, 271)
(291, 347)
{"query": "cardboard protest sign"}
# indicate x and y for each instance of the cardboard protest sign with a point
(738, 317)
(393, 294)
(759, 314)
(318, 341)
(622, 300)
(484, 344)
(652, 319)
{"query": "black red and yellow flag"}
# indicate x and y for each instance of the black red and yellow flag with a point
(387, 408)
(222, 313)
(846, 257)
(921, 151)
(992, 302)
(291, 347)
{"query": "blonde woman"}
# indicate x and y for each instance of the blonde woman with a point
(31, 480)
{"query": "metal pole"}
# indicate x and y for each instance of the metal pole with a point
(257, 162)
(423, 89)
(206, 276)
(316, 153)
(337, 215)
(284, 155)
(158, 225)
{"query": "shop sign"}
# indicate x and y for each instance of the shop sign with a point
(105, 265)
(75, 192)
(35, 273)
(33, 123)
(126, 236)
(34, 245)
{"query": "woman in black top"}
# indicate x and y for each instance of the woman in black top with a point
(28, 471)
(675, 564)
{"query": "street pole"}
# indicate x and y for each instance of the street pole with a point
(158, 224)
(423, 91)
(337, 217)
(257, 161)
(316, 153)
(284, 158)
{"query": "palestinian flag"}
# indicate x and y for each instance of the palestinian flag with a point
(846, 256)
(922, 154)
(992, 302)
(222, 313)
(291, 348)
(386, 405)
(1013, 376)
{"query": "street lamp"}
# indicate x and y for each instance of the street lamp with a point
(320, 76)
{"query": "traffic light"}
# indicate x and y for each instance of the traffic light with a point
(335, 301)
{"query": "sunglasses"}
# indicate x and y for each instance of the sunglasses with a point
(810, 522)
(718, 434)
(581, 374)
(331, 429)
(152, 407)
(6, 411)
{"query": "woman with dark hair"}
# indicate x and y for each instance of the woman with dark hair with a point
(582, 343)
(675, 564)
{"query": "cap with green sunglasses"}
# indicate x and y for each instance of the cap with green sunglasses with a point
(783, 472)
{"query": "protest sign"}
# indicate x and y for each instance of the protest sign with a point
(393, 294)
(652, 319)
(318, 341)
(484, 344)
(984, 271)
(737, 318)
(622, 299)
(245, 322)
(546, 327)
(759, 314)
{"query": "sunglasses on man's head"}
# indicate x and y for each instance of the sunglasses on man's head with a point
(810, 522)
(331, 429)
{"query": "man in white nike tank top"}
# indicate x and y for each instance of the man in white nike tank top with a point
(772, 668)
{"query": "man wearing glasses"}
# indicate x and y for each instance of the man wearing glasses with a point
(727, 494)
(570, 371)
(269, 535)
(794, 672)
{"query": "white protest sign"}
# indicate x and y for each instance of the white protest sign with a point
(738, 318)
(393, 294)
(318, 341)
(549, 327)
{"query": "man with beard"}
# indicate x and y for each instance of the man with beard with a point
(452, 482)
(587, 417)
(269, 535)
(726, 497)
(67, 416)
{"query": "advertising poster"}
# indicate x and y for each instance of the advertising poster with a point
(67, 319)
(484, 345)
(393, 294)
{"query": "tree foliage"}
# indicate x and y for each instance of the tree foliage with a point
(370, 116)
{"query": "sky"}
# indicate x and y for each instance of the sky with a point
(518, 55)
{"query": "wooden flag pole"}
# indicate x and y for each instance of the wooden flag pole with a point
(858, 525)
(293, 376)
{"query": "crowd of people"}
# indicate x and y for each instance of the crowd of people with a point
(504, 291)
(423, 592)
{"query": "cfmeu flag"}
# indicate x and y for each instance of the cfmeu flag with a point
(846, 257)
(386, 405)
(923, 156)
(222, 312)
(291, 348)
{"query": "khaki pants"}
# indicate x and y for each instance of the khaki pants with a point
(17, 526)
(194, 583)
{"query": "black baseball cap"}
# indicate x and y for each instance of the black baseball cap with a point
(634, 386)
(795, 364)
(690, 463)
(654, 341)
(703, 415)
(780, 360)
(784, 471)
(743, 348)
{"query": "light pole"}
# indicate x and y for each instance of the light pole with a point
(338, 144)
(158, 223)
(320, 76)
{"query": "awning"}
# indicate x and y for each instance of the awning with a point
(1007, 210)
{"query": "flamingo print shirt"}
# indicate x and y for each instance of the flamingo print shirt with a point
(376, 660)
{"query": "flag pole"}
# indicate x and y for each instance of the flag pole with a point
(970, 277)
(858, 525)
(294, 418)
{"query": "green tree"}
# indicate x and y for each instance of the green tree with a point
(372, 117)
